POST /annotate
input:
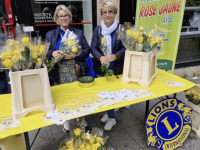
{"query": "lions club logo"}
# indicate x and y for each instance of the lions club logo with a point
(168, 124)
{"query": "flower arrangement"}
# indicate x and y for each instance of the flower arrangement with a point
(138, 38)
(104, 67)
(23, 54)
(86, 141)
(69, 47)
(193, 96)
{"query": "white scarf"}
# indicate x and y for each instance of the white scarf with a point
(106, 33)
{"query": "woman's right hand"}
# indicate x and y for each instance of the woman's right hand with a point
(57, 54)
(103, 60)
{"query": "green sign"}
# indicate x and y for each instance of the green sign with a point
(165, 18)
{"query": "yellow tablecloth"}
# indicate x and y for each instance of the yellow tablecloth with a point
(66, 92)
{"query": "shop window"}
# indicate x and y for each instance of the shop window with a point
(43, 12)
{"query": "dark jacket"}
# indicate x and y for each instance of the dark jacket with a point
(52, 37)
(117, 48)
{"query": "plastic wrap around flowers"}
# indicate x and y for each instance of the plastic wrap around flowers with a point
(138, 38)
(23, 53)
(69, 47)
(86, 141)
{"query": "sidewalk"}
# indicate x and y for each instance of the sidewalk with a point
(128, 134)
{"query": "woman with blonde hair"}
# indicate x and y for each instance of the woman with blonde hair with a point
(70, 67)
(115, 50)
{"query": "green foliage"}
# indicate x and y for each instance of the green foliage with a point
(61, 144)
(194, 74)
(26, 53)
(192, 3)
(184, 76)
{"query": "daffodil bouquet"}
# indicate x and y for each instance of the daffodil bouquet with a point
(193, 96)
(20, 54)
(104, 68)
(87, 141)
(138, 38)
(69, 46)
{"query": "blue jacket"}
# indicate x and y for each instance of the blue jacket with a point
(52, 37)
(117, 48)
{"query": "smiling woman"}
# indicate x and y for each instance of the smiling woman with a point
(70, 68)
(115, 50)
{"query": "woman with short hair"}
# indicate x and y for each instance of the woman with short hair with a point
(115, 49)
(71, 66)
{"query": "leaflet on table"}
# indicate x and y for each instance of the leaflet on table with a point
(66, 111)
(53, 117)
(172, 82)
(87, 105)
(7, 122)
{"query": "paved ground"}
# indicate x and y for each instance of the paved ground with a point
(127, 134)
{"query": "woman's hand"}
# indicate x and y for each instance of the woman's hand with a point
(69, 57)
(103, 60)
(57, 54)
(111, 58)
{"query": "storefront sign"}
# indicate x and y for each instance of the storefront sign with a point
(165, 18)
(168, 124)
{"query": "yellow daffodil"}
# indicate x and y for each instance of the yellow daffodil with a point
(36, 48)
(77, 131)
(135, 35)
(69, 143)
(8, 54)
(92, 141)
(42, 50)
(69, 43)
(15, 59)
(141, 28)
(3, 56)
(73, 43)
(31, 47)
(88, 147)
(149, 35)
(34, 55)
(7, 63)
(194, 92)
(99, 139)
(187, 92)
(103, 40)
(82, 146)
(194, 97)
(128, 32)
(39, 61)
(25, 41)
(140, 39)
(152, 43)
(15, 53)
(74, 49)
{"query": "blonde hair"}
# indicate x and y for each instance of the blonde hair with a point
(61, 7)
(109, 5)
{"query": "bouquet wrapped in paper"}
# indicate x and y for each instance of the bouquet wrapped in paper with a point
(86, 141)
(104, 67)
(23, 53)
(139, 38)
(69, 47)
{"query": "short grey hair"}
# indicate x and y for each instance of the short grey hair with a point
(109, 5)
(61, 7)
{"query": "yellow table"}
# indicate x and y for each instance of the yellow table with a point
(66, 92)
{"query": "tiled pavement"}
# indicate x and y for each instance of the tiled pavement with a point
(127, 134)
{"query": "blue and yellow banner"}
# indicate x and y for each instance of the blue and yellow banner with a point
(165, 18)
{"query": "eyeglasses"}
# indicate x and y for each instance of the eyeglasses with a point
(62, 17)
(110, 12)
